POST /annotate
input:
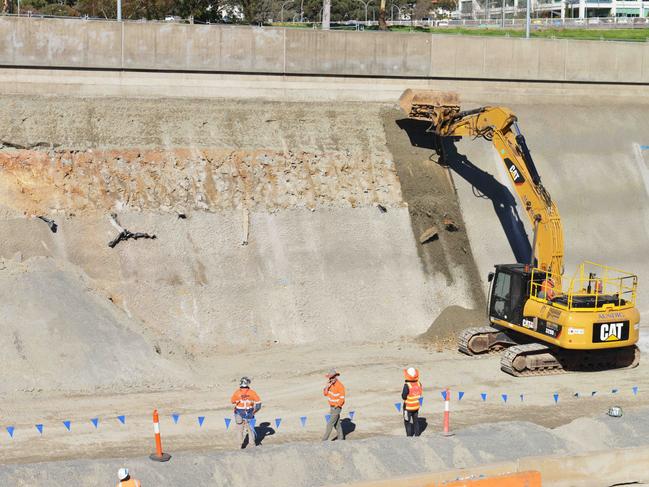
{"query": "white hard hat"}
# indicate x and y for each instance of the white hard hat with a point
(122, 473)
(332, 373)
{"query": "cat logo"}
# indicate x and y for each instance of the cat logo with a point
(610, 332)
(616, 331)
(530, 324)
(517, 177)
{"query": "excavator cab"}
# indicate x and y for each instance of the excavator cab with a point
(508, 291)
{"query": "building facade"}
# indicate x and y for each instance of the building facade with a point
(560, 9)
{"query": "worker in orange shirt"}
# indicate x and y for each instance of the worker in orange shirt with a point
(411, 393)
(547, 289)
(334, 391)
(246, 404)
(125, 479)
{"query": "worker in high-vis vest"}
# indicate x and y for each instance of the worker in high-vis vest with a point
(334, 391)
(411, 394)
(547, 289)
(125, 479)
(246, 403)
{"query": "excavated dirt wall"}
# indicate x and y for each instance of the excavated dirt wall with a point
(182, 179)
(275, 223)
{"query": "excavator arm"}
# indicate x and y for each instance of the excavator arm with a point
(498, 125)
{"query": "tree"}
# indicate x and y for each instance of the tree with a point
(447, 5)
(341, 10)
(59, 10)
(254, 11)
(422, 9)
(201, 10)
(382, 23)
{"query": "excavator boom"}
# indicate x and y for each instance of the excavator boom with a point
(498, 125)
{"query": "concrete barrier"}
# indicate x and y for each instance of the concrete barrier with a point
(84, 44)
(522, 479)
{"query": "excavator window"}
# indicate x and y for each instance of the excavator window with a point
(509, 293)
(500, 298)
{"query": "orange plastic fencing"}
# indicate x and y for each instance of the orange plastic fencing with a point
(521, 479)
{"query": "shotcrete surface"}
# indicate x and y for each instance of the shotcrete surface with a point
(276, 223)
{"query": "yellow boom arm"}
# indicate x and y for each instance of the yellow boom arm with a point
(498, 125)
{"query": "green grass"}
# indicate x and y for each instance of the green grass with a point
(586, 34)
(293, 25)
(596, 34)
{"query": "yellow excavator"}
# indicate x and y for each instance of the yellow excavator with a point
(546, 324)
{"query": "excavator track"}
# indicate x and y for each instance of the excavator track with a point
(530, 359)
(534, 359)
(483, 340)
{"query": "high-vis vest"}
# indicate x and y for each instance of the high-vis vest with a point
(335, 394)
(245, 398)
(415, 391)
(129, 483)
(547, 287)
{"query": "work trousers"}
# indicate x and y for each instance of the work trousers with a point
(245, 430)
(334, 422)
(411, 421)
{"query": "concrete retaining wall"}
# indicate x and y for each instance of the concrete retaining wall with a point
(216, 48)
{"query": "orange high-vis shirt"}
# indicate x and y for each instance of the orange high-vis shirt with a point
(129, 483)
(336, 394)
(245, 398)
(548, 288)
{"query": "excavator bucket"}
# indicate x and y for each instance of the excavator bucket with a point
(433, 106)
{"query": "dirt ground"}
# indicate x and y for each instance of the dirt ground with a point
(289, 381)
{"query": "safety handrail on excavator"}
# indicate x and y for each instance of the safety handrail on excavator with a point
(498, 125)
(594, 287)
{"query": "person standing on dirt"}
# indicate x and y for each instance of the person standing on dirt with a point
(246, 404)
(334, 391)
(411, 395)
(125, 479)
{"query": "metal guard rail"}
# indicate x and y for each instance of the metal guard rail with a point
(594, 287)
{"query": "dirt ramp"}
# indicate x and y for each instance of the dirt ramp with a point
(57, 334)
(309, 464)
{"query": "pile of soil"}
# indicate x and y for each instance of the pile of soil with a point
(450, 322)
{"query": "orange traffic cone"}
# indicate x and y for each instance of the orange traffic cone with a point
(158, 456)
